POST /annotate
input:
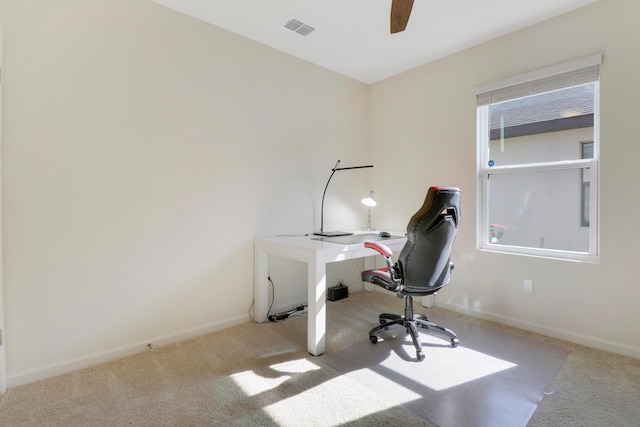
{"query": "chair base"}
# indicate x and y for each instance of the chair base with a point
(411, 322)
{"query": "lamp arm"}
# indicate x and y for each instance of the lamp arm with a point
(333, 171)
(352, 167)
(323, 194)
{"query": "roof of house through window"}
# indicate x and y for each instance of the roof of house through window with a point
(563, 109)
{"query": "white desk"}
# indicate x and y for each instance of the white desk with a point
(316, 254)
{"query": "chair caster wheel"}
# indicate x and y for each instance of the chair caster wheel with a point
(455, 342)
(420, 355)
(373, 339)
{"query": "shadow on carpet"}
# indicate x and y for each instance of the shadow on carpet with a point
(496, 377)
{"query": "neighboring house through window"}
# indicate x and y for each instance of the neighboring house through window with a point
(538, 163)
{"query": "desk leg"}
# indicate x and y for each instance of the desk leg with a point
(260, 286)
(317, 315)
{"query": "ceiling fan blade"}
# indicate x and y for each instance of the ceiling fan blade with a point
(400, 12)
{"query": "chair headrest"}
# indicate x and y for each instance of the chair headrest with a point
(438, 200)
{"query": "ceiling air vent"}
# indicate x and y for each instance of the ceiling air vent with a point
(298, 26)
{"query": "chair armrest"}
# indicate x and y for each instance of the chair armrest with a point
(381, 248)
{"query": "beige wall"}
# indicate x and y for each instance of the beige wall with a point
(426, 119)
(143, 151)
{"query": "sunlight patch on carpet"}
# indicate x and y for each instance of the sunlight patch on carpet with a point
(324, 404)
(469, 366)
(459, 367)
(295, 366)
(395, 392)
(252, 383)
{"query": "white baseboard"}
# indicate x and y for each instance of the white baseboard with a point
(585, 340)
(41, 373)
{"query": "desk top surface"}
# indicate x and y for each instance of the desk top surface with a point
(356, 238)
(338, 243)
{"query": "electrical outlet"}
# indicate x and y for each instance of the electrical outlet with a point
(527, 286)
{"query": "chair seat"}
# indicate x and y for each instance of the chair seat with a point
(382, 277)
(378, 276)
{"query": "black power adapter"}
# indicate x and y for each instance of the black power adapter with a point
(337, 292)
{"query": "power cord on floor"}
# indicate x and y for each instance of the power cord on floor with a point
(301, 309)
(273, 297)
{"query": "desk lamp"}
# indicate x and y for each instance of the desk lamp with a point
(334, 233)
(370, 201)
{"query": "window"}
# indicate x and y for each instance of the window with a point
(538, 163)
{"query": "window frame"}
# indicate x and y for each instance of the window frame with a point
(484, 171)
(585, 220)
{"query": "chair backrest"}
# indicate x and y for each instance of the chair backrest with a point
(423, 263)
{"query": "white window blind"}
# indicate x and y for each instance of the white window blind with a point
(572, 73)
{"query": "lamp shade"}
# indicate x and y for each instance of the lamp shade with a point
(369, 199)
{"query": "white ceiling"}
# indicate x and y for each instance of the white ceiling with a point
(352, 37)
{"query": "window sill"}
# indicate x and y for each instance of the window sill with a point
(549, 254)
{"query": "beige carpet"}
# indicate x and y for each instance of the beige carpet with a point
(261, 375)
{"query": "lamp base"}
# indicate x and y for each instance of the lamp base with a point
(332, 233)
(369, 229)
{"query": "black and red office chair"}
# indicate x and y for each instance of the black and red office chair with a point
(423, 266)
